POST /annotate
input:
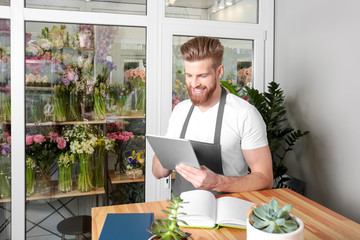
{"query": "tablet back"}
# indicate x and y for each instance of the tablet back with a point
(173, 151)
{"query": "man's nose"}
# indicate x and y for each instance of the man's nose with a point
(194, 82)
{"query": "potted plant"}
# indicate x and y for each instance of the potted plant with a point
(168, 228)
(281, 136)
(268, 221)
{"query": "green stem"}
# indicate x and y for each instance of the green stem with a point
(30, 181)
(84, 181)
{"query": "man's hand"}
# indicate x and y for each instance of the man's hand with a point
(204, 179)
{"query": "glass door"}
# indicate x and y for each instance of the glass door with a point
(246, 39)
(85, 121)
(5, 130)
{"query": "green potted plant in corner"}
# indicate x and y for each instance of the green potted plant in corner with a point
(168, 228)
(281, 136)
(268, 221)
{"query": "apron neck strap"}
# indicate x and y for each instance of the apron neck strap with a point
(219, 118)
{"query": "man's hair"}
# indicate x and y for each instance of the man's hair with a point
(200, 48)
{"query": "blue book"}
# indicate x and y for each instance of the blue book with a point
(127, 226)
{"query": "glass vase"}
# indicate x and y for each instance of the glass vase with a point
(99, 106)
(43, 182)
(43, 175)
(65, 179)
(74, 109)
(84, 178)
(60, 105)
(30, 181)
(140, 99)
(98, 167)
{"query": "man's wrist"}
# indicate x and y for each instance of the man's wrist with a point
(220, 182)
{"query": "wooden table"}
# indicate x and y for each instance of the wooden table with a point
(320, 222)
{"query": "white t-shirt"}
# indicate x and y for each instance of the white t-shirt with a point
(242, 128)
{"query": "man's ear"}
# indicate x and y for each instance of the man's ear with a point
(220, 71)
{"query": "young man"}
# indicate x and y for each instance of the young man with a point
(230, 133)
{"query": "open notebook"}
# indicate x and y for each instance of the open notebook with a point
(203, 210)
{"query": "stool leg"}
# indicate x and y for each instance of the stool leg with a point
(63, 237)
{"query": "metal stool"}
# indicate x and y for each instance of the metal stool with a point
(78, 226)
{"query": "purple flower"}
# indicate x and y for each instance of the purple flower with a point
(5, 150)
(70, 75)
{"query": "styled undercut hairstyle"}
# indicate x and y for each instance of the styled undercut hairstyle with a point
(200, 48)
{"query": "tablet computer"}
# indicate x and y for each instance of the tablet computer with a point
(173, 151)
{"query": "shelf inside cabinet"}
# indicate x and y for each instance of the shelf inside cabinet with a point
(39, 88)
(133, 115)
(54, 194)
(122, 178)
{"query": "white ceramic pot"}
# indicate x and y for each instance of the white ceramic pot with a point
(256, 234)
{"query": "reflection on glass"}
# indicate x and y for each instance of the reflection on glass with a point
(4, 2)
(238, 62)
(85, 106)
(244, 11)
(5, 130)
(135, 7)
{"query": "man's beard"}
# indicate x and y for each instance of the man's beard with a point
(202, 98)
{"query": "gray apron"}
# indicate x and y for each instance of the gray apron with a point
(208, 154)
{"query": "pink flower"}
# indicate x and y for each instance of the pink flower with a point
(53, 136)
(61, 143)
(39, 139)
(118, 125)
(6, 134)
(29, 140)
(121, 137)
(9, 139)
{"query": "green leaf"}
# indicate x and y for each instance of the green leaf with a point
(274, 204)
(270, 228)
(287, 208)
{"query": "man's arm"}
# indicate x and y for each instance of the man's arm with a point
(261, 176)
(158, 170)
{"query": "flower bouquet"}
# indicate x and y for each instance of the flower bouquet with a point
(104, 69)
(121, 138)
(44, 149)
(67, 100)
(119, 100)
(30, 176)
(65, 163)
(103, 145)
(137, 79)
(82, 142)
(5, 184)
(135, 164)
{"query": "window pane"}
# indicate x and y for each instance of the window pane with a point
(4, 2)
(85, 117)
(136, 7)
(238, 62)
(244, 11)
(5, 130)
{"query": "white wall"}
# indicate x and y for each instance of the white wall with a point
(317, 62)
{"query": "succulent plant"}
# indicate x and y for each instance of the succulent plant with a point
(168, 228)
(270, 218)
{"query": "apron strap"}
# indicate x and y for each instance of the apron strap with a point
(219, 118)
(186, 123)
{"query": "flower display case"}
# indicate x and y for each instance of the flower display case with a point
(85, 114)
(74, 89)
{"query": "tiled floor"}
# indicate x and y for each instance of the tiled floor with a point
(42, 219)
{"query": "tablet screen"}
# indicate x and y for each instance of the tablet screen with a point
(173, 151)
